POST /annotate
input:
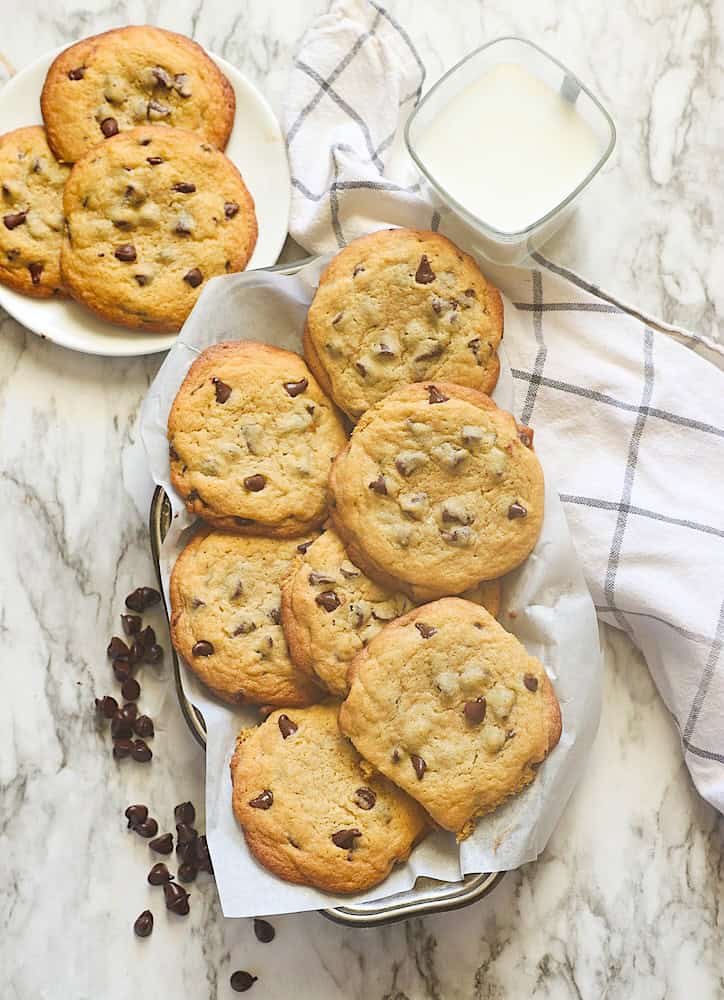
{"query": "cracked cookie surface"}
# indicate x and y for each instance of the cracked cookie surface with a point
(437, 490)
(151, 215)
(401, 306)
(31, 213)
(226, 619)
(252, 438)
(132, 76)
(451, 707)
(309, 814)
(331, 610)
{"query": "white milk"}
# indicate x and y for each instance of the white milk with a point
(509, 148)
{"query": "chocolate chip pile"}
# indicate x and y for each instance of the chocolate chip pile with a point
(141, 647)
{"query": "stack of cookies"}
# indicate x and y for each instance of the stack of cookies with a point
(347, 582)
(125, 199)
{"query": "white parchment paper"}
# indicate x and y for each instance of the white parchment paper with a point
(545, 604)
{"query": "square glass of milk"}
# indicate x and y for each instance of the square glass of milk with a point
(506, 142)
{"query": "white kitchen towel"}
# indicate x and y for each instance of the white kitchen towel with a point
(629, 417)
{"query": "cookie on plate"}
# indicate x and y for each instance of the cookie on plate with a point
(401, 306)
(308, 813)
(331, 610)
(437, 490)
(226, 615)
(252, 438)
(132, 76)
(151, 215)
(31, 213)
(451, 707)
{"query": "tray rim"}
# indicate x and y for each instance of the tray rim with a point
(473, 887)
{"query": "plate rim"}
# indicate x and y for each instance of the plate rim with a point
(164, 341)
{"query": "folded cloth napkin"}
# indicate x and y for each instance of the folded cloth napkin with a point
(628, 411)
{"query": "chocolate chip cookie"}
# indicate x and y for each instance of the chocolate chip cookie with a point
(252, 438)
(331, 610)
(451, 707)
(226, 619)
(437, 490)
(133, 76)
(151, 215)
(31, 213)
(309, 814)
(401, 306)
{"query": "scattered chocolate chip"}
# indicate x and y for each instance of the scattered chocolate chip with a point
(469, 293)
(145, 142)
(202, 857)
(184, 226)
(142, 598)
(121, 727)
(35, 271)
(316, 578)
(185, 833)
(337, 319)
(131, 624)
(327, 600)
(526, 436)
(296, 388)
(202, 648)
(154, 160)
(187, 872)
(419, 764)
(223, 391)
(255, 483)
(263, 930)
(107, 706)
(424, 273)
(304, 546)
(148, 828)
(143, 726)
(117, 647)
(154, 654)
(177, 899)
(346, 838)
(147, 638)
(184, 188)
(184, 812)
(365, 798)
(475, 711)
(379, 486)
(76, 74)
(230, 209)
(531, 682)
(143, 924)
(15, 219)
(395, 756)
(241, 981)
(516, 510)
(122, 669)
(286, 726)
(109, 127)
(360, 368)
(159, 874)
(136, 814)
(129, 711)
(141, 280)
(435, 396)
(426, 631)
(141, 752)
(358, 268)
(122, 748)
(162, 844)
(154, 111)
(275, 616)
(194, 277)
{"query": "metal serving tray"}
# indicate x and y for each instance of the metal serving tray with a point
(427, 895)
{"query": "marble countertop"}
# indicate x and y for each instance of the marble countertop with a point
(625, 902)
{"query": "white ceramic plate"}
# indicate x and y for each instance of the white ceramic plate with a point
(257, 148)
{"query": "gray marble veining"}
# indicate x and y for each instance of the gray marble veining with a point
(626, 900)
